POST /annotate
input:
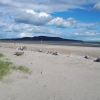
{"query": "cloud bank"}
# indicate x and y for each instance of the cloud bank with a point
(19, 18)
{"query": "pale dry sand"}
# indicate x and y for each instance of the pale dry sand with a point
(67, 76)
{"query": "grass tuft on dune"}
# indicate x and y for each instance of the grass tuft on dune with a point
(6, 67)
(1, 55)
(22, 69)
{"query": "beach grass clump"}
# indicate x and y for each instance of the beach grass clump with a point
(1, 55)
(6, 67)
(21, 69)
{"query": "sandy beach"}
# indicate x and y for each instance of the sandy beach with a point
(65, 76)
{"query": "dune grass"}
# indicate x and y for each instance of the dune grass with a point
(6, 67)
(21, 69)
(1, 55)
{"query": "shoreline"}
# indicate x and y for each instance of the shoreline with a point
(63, 49)
(59, 43)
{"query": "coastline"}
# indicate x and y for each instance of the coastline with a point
(63, 49)
(59, 43)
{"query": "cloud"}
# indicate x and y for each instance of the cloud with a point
(20, 18)
(62, 23)
(72, 23)
(14, 30)
(86, 33)
(97, 6)
(55, 27)
(25, 35)
(31, 17)
(48, 5)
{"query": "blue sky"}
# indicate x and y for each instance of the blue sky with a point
(72, 19)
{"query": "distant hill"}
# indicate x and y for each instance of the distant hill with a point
(44, 38)
(52, 41)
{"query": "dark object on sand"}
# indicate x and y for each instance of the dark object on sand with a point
(18, 53)
(86, 57)
(55, 53)
(97, 60)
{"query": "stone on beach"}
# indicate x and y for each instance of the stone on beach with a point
(55, 53)
(18, 53)
(86, 57)
(97, 60)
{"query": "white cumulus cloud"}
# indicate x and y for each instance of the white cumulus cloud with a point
(32, 17)
(25, 35)
(97, 6)
(60, 22)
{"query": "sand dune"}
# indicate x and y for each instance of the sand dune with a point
(66, 76)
